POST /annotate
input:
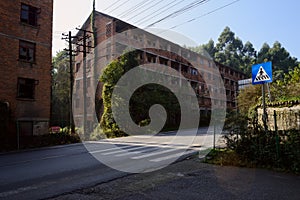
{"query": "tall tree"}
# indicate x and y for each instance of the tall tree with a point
(207, 48)
(229, 49)
(282, 62)
(249, 57)
(60, 90)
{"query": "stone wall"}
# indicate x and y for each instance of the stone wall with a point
(287, 117)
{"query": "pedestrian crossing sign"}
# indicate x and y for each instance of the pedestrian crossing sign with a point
(262, 73)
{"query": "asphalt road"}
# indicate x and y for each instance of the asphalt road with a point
(193, 180)
(47, 172)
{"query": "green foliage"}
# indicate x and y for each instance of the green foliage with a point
(230, 51)
(258, 148)
(226, 157)
(282, 91)
(111, 75)
(141, 100)
(52, 139)
(288, 88)
(248, 97)
(60, 90)
(97, 134)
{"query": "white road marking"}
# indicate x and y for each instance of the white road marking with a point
(104, 150)
(169, 157)
(154, 153)
(123, 150)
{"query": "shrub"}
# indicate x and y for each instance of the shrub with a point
(264, 149)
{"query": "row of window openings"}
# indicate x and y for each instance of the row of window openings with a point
(201, 101)
(231, 72)
(174, 81)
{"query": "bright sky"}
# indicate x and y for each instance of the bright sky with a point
(257, 21)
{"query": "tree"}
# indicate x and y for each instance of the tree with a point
(249, 58)
(111, 74)
(248, 97)
(230, 51)
(289, 87)
(281, 90)
(208, 49)
(282, 62)
(60, 90)
(141, 100)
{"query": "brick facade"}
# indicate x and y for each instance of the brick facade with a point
(161, 51)
(25, 84)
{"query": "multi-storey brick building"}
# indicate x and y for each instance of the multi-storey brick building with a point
(25, 83)
(151, 49)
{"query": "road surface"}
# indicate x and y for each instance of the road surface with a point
(47, 172)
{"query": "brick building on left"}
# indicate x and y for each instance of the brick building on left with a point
(25, 71)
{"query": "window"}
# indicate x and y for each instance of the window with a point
(194, 71)
(108, 30)
(77, 67)
(29, 14)
(26, 51)
(26, 88)
(201, 61)
(77, 84)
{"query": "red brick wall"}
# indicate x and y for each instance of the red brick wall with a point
(11, 31)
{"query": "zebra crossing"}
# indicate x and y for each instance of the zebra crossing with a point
(144, 153)
(152, 151)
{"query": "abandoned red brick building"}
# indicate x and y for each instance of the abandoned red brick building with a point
(25, 84)
(107, 26)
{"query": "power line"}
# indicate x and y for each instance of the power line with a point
(122, 4)
(180, 11)
(115, 2)
(203, 15)
(146, 8)
(162, 9)
(131, 10)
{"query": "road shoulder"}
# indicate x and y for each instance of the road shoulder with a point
(192, 179)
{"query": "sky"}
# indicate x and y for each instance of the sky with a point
(257, 21)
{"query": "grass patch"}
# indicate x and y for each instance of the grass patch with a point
(225, 157)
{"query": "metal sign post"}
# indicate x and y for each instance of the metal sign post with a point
(264, 117)
(261, 74)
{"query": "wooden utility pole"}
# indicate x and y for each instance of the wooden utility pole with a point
(70, 51)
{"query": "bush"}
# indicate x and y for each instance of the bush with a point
(263, 149)
(97, 134)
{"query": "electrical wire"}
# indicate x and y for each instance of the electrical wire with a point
(122, 4)
(111, 5)
(162, 9)
(203, 15)
(132, 9)
(146, 8)
(180, 11)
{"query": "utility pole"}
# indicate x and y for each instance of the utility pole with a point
(70, 51)
(84, 51)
